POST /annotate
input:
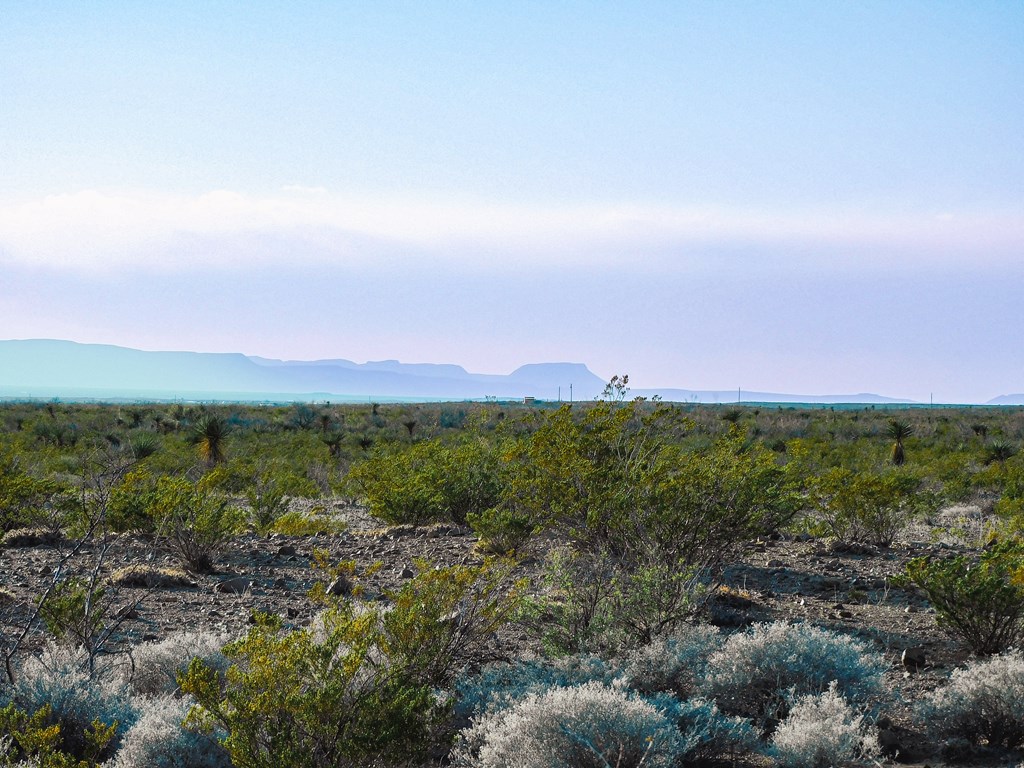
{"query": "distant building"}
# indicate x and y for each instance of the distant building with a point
(529, 400)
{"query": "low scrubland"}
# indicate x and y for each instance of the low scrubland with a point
(600, 613)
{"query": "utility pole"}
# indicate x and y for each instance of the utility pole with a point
(570, 394)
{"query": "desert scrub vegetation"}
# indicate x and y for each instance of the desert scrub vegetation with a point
(759, 672)
(983, 703)
(429, 481)
(359, 686)
(823, 730)
(871, 507)
(978, 600)
(588, 725)
(623, 512)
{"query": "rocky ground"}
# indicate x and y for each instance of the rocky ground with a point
(849, 589)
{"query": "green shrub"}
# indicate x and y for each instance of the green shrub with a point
(22, 496)
(648, 523)
(194, 519)
(429, 481)
(267, 503)
(37, 741)
(360, 684)
(131, 503)
(298, 524)
(501, 530)
(980, 602)
(869, 507)
(74, 610)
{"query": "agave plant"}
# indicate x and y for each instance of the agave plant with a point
(898, 431)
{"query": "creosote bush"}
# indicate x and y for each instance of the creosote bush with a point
(430, 481)
(980, 603)
(646, 523)
(194, 519)
(870, 507)
(359, 685)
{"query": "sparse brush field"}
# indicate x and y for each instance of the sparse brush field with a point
(617, 583)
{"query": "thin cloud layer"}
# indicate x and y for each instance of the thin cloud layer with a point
(224, 230)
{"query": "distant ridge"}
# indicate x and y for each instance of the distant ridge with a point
(741, 397)
(50, 368)
(66, 369)
(1007, 400)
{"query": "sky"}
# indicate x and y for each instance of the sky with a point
(800, 197)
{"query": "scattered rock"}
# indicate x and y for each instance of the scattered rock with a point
(235, 585)
(914, 659)
(286, 550)
(340, 587)
(889, 742)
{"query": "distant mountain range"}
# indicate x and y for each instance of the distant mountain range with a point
(47, 368)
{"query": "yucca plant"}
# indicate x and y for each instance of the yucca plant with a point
(999, 452)
(209, 433)
(898, 431)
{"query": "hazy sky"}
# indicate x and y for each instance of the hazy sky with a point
(806, 197)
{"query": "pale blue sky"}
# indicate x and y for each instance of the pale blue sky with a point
(801, 197)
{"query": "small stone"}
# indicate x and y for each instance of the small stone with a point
(280, 584)
(235, 585)
(910, 609)
(407, 573)
(889, 742)
(774, 563)
(127, 612)
(914, 659)
(340, 587)
(286, 550)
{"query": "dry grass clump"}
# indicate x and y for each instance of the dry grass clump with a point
(150, 576)
(29, 537)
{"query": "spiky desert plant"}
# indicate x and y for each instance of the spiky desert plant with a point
(143, 445)
(999, 452)
(898, 431)
(210, 432)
